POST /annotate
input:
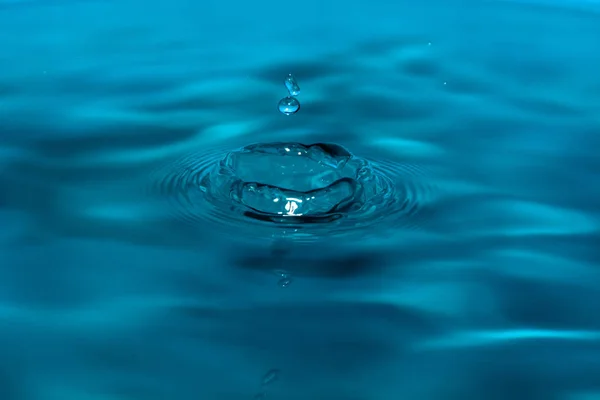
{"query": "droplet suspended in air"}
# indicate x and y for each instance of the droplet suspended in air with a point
(284, 282)
(282, 273)
(289, 105)
(292, 85)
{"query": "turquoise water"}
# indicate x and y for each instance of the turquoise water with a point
(479, 279)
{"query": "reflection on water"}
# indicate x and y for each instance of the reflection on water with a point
(489, 292)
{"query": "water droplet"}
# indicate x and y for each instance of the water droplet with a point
(292, 85)
(281, 273)
(289, 105)
(284, 282)
(270, 377)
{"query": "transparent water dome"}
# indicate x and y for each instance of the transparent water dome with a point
(294, 183)
(312, 190)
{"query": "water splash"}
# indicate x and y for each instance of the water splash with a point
(270, 190)
(289, 180)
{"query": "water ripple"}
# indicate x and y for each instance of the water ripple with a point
(405, 200)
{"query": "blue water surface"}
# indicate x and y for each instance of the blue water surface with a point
(118, 281)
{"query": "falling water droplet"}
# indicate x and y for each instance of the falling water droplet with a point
(281, 273)
(292, 85)
(285, 282)
(289, 105)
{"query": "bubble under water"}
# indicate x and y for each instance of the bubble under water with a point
(312, 190)
(288, 105)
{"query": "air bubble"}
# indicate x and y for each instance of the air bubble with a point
(289, 105)
(292, 85)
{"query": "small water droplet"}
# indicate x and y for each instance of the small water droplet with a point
(292, 85)
(285, 282)
(270, 377)
(281, 273)
(289, 105)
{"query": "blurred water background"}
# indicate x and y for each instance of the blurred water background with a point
(490, 291)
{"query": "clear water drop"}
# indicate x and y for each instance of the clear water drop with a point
(289, 105)
(281, 273)
(292, 85)
(285, 282)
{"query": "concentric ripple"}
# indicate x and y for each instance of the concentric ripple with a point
(307, 191)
